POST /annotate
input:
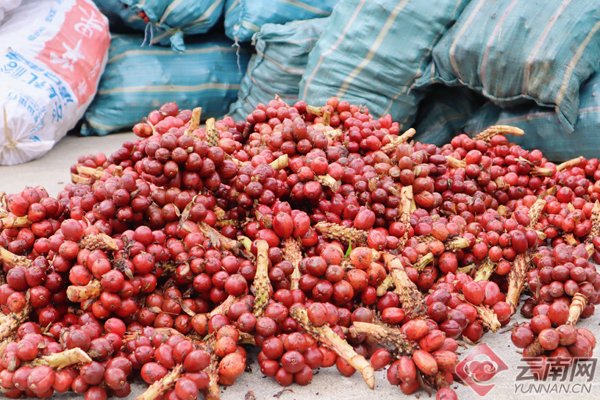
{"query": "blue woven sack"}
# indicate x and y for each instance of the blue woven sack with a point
(170, 20)
(277, 67)
(543, 129)
(138, 80)
(120, 16)
(515, 51)
(444, 112)
(373, 51)
(243, 18)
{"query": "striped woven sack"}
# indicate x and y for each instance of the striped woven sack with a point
(139, 80)
(373, 51)
(516, 51)
(277, 67)
(170, 20)
(444, 112)
(543, 129)
(243, 18)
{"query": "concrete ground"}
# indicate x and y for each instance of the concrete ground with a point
(52, 172)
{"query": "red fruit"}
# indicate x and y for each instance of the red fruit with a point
(416, 329)
(72, 230)
(433, 341)
(152, 372)
(446, 393)
(473, 293)
(197, 360)
(317, 314)
(425, 362)
(232, 365)
(115, 378)
(292, 361)
(407, 371)
(186, 389)
(380, 359)
(95, 393)
(365, 219)
(446, 360)
(283, 225)
(40, 379)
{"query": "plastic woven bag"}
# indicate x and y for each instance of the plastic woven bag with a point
(277, 67)
(172, 19)
(140, 79)
(444, 112)
(7, 5)
(373, 51)
(522, 50)
(542, 126)
(52, 54)
(243, 18)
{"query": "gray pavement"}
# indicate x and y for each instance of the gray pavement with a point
(52, 172)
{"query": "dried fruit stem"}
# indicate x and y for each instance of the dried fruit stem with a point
(81, 179)
(79, 294)
(499, 130)
(390, 338)
(162, 386)
(406, 209)
(457, 244)
(398, 140)
(13, 259)
(100, 241)
(456, 163)
(595, 231)
(384, 286)
(63, 359)
(11, 322)
(569, 239)
(358, 237)
(535, 349)
(222, 242)
(535, 212)
(488, 317)
(261, 280)
(569, 163)
(329, 338)
(327, 180)
(485, 270)
(335, 133)
(223, 308)
(14, 222)
(326, 118)
(292, 253)
(578, 303)
(538, 171)
(516, 280)
(91, 172)
(280, 163)
(194, 121)
(409, 295)
(212, 137)
(211, 392)
(423, 262)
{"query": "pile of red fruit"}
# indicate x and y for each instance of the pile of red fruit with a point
(318, 234)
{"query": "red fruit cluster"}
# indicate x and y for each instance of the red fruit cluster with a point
(318, 234)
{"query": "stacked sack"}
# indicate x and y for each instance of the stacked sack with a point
(150, 62)
(52, 54)
(138, 79)
(164, 22)
(537, 76)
